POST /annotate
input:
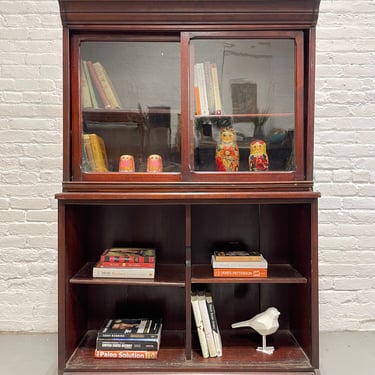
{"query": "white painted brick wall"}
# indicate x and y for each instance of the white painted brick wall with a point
(31, 159)
(30, 163)
(345, 163)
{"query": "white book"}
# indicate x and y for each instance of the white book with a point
(216, 90)
(207, 324)
(201, 82)
(214, 325)
(261, 264)
(199, 325)
(123, 272)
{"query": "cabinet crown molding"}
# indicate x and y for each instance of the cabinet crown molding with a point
(303, 13)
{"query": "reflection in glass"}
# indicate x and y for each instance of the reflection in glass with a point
(130, 98)
(248, 86)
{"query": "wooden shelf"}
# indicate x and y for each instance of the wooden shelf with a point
(165, 275)
(172, 358)
(277, 273)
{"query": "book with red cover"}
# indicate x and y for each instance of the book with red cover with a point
(129, 254)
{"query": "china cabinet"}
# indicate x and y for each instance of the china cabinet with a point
(162, 100)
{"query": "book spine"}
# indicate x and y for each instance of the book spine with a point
(202, 88)
(128, 259)
(89, 153)
(90, 85)
(127, 265)
(114, 344)
(98, 153)
(107, 85)
(132, 273)
(214, 325)
(126, 354)
(199, 325)
(216, 89)
(228, 258)
(209, 87)
(206, 324)
(240, 272)
(198, 109)
(85, 93)
(98, 85)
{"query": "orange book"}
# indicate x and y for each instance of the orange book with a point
(240, 272)
(198, 109)
(126, 354)
(98, 85)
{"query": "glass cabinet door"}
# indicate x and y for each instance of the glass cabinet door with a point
(246, 117)
(129, 108)
(214, 106)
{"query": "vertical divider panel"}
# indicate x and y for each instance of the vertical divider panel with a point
(188, 340)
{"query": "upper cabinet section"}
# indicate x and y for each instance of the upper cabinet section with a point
(181, 92)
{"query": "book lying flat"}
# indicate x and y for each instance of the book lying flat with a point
(129, 254)
(126, 354)
(137, 328)
(239, 264)
(123, 272)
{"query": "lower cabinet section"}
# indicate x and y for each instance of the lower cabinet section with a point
(184, 235)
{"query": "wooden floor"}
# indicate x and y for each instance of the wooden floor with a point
(342, 353)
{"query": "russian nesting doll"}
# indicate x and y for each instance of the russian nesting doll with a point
(126, 163)
(258, 158)
(227, 153)
(154, 163)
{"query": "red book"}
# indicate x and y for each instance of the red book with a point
(128, 255)
(98, 85)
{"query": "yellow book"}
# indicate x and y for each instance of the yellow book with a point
(99, 153)
(107, 85)
(88, 151)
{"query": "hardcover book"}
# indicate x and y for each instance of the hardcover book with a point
(199, 324)
(207, 324)
(129, 254)
(214, 325)
(140, 329)
(239, 264)
(123, 272)
(126, 354)
(238, 256)
(240, 272)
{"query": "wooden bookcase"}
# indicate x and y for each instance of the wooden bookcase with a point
(150, 50)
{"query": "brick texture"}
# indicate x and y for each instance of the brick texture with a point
(31, 161)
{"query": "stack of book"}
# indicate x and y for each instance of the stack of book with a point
(129, 339)
(206, 323)
(94, 154)
(97, 88)
(240, 263)
(126, 262)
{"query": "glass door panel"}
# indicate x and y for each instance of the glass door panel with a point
(130, 107)
(243, 96)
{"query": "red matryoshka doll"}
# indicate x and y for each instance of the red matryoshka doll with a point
(258, 158)
(154, 163)
(126, 163)
(227, 153)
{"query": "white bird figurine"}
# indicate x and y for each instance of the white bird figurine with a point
(265, 323)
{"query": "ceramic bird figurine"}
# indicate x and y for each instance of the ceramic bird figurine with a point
(154, 163)
(126, 163)
(227, 152)
(258, 158)
(265, 323)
